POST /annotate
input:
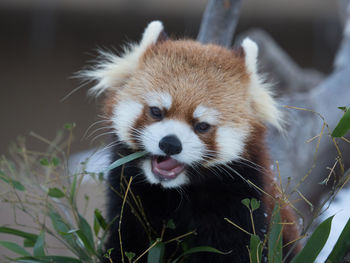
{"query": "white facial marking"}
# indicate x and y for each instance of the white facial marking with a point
(192, 147)
(230, 142)
(206, 114)
(125, 114)
(159, 99)
(181, 179)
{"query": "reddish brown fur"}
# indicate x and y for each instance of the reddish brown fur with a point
(211, 75)
(272, 191)
(195, 74)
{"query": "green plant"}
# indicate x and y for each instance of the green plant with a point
(40, 186)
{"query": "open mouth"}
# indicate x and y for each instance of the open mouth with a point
(166, 168)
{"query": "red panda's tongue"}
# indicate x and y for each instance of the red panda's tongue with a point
(166, 167)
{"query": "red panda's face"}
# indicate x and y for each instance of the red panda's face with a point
(186, 104)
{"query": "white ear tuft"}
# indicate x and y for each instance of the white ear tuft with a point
(251, 54)
(266, 106)
(151, 33)
(112, 71)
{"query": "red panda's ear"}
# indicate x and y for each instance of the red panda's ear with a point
(112, 70)
(261, 93)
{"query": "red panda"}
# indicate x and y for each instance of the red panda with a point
(199, 112)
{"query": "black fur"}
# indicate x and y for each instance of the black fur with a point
(211, 196)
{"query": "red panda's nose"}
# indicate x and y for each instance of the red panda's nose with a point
(170, 145)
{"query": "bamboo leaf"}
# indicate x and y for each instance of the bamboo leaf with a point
(155, 255)
(48, 259)
(28, 243)
(16, 184)
(126, 159)
(200, 249)
(171, 224)
(341, 247)
(343, 125)
(73, 189)
(255, 204)
(19, 233)
(44, 162)
(14, 248)
(38, 249)
(62, 229)
(130, 255)
(275, 237)
(315, 243)
(55, 192)
(100, 219)
(246, 202)
(85, 234)
(256, 248)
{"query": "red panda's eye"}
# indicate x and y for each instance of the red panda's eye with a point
(202, 127)
(156, 113)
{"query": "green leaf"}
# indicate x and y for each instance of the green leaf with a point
(16, 184)
(30, 260)
(61, 227)
(171, 224)
(100, 176)
(38, 249)
(55, 192)
(44, 162)
(155, 255)
(14, 248)
(48, 259)
(343, 126)
(246, 202)
(55, 161)
(130, 255)
(126, 159)
(96, 226)
(19, 233)
(343, 108)
(315, 243)
(200, 249)
(73, 189)
(256, 248)
(85, 234)
(28, 243)
(341, 247)
(275, 237)
(99, 221)
(69, 126)
(255, 204)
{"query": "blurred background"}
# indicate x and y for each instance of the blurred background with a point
(44, 42)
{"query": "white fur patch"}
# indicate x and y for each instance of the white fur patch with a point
(159, 99)
(192, 147)
(180, 180)
(113, 70)
(205, 114)
(230, 142)
(251, 54)
(124, 116)
(261, 93)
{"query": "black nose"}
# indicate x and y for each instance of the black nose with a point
(170, 145)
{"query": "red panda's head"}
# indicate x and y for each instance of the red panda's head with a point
(186, 103)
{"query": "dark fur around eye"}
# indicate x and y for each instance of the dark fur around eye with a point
(156, 113)
(202, 127)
